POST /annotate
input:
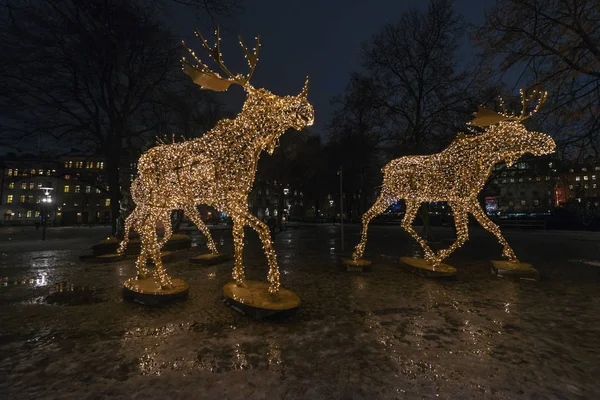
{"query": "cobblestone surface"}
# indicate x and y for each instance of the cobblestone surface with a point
(382, 334)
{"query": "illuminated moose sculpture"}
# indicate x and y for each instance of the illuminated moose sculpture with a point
(458, 174)
(217, 169)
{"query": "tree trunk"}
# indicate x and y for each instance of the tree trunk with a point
(280, 205)
(114, 190)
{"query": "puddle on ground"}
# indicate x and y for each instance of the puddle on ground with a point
(68, 294)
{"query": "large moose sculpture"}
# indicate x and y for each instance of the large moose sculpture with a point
(457, 175)
(217, 169)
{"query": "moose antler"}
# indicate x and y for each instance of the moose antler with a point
(208, 79)
(486, 117)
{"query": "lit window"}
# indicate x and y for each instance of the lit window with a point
(585, 178)
(597, 169)
(503, 180)
(586, 186)
(31, 184)
(100, 164)
(584, 169)
(37, 214)
(593, 177)
(23, 185)
(9, 172)
(89, 165)
(77, 188)
(97, 190)
(19, 215)
(523, 203)
(520, 179)
(66, 189)
(29, 213)
(107, 202)
(547, 178)
(577, 178)
(9, 199)
(537, 202)
(70, 164)
(107, 188)
(79, 164)
(512, 180)
(75, 204)
(88, 189)
(538, 178)
(22, 198)
(48, 172)
(571, 170)
(594, 186)
(11, 185)
(16, 172)
(570, 186)
(30, 198)
(67, 177)
(39, 185)
(32, 171)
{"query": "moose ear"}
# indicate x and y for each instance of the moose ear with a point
(486, 117)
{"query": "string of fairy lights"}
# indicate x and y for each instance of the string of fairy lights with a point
(217, 169)
(458, 174)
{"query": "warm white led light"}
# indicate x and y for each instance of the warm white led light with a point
(217, 169)
(458, 174)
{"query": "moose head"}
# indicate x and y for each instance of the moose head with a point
(505, 130)
(268, 114)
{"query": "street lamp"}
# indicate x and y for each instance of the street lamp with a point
(45, 206)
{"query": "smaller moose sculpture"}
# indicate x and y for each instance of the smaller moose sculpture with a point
(457, 175)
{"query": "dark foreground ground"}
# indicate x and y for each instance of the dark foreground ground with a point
(384, 334)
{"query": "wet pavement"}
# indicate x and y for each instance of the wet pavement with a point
(65, 332)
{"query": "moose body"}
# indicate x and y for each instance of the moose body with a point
(456, 175)
(217, 169)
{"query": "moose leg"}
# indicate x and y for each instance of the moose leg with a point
(128, 223)
(489, 226)
(192, 213)
(380, 206)
(160, 275)
(412, 207)
(238, 244)
(168, 228)
(265, 237)
(461, 220)
(142, 259)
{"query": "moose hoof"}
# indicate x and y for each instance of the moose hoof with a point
(515, 269)
(146, 291)
(427, 269)
(358, 265)
(254, 299)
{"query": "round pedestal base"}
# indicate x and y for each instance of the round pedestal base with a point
(515, 269)
(424, 268)
(359, 265)
(254, 299)
(147, 292)
(105, 258)
(209, 259)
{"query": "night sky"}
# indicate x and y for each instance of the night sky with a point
(316, 37)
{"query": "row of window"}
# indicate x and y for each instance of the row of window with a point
(30, 185)
(585, 169)
(585, 186)
(27, 172)
(88, 164)
(513, 180)
(28, 214)
(25, 199)
(77, 189)
(30, 199)
(585, 178)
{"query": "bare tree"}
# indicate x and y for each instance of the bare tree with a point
(554, 44)
(95, 74)
(415, 68)
(356, 132)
